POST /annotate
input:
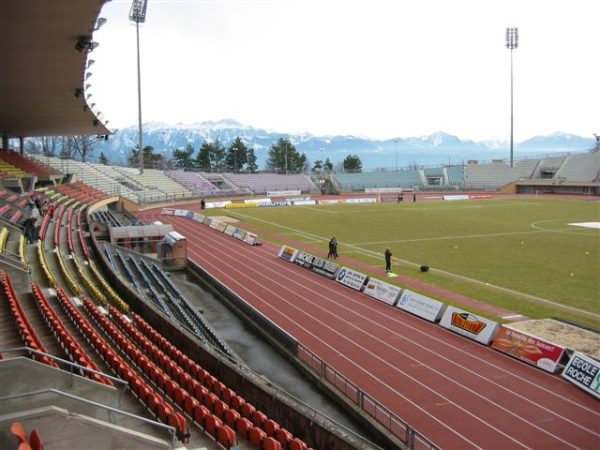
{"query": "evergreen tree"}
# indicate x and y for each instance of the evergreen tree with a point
(203, 161)
(236, 156)
(328, 166)
(317, 166)
(151, 159)
(284, 158)
(103, 159)
(183, 158)
(218, 156)
(352, 163)
(251, 165)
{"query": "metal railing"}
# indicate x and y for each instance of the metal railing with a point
(366, 403)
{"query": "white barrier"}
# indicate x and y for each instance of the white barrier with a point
(351, 278)
(382, 291)
(469, 325)
(421, 305)
(583, 372)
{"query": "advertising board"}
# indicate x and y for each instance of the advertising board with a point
(287, 253)
(382, 291)
(351, 278)
(469, 325)
(421, 305)
(318, 265)
(583, 372)
(530, 349)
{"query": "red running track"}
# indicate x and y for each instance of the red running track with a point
(457, 393)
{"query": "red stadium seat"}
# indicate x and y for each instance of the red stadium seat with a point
(211, 425)
(270, 427)
(230, 417)
(256, 437)
(258, 418)
(200, 414)
(243, 426)
(283, 436)
(35, 442)
(18, 430)
(237, 402)
(226, 436)
(270, 443)
(297, 444)
(247, 410)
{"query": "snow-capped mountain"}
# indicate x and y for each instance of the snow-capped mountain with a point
(436, 148)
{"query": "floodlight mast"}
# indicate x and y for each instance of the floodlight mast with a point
(512, 42)
(137, 14)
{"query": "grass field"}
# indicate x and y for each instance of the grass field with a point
(519, 254)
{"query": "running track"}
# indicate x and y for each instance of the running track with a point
(459, 394)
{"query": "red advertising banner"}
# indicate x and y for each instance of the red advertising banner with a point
(530, 349)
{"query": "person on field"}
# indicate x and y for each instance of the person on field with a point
(414, 197)
(332, 248)
(400, 197)
(335, 253)
(202, 204)
(388, 260)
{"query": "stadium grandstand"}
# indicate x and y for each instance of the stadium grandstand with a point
(104, 338)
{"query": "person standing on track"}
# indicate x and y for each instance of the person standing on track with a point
(388, 260)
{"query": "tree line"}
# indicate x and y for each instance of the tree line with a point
(212, 156)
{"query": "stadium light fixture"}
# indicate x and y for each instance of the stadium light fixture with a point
(88, 74)
(137, 14)
(78, 92)
(90, 62)
(512, 42)
(101, 21)
(87, 86)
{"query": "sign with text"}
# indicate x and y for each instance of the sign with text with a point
(250, 238)
(351, 278)
(287, 253)
(229, 229)
(583, 372)
(167, 211)
(239, 234)
(530, 349)
(469, 325)
(318, 265)
(421, 305)
(382, 291)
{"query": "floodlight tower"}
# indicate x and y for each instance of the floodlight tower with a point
(137, 14)
(512, 42)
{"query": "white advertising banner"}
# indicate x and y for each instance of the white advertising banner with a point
(351, 278)
(304, 202)
(382, 291)
(282, 193)
(217, 204)
(469, 325)
(361, 200)
(181, 212)
(421, 305)
(287, 253)
(167, 211)
(456, 197)
(229, 230)
(583, 372)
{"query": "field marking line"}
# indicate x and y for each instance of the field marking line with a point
(579, 231)
(367, 252)
(442, 238)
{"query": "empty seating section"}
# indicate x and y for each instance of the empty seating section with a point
(261, 183)
(157, 181)
(64, 337)
(142, 390)
(389, 179)
(497, 174)
(192, 181)
(107, 288)
(106, 217)
(581, 167)
(80, 191)
(27, 333)
(197, 318)
(154, 295)
(25, 164)
(456, 175)
(203, 394)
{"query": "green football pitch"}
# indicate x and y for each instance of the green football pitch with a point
(521, 254)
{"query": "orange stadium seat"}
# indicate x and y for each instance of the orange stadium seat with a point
(212, 424)
(226, 436)
(271, 427)
(243, 426)
(18, 430)
(270, 443)
(256, 437)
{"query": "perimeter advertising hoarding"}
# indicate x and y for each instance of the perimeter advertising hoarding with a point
(250, 238)
(229, 229)
(421, 305)
(304, 202)
(214, 223)
(351, 278)
(583, 372)
(283, 193)
(239, 234)
(167, 211)
(469, 325)
(530, 349)
(181, 212)
(198, 217)
(221, 226)
(287, 253)
(317, 265)
(382, 291)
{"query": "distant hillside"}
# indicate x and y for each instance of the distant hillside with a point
(438, 148)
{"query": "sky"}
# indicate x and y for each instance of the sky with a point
(373, 68)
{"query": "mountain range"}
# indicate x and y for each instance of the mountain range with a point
(437, 148)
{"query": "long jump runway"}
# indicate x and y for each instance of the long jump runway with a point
(459, 394)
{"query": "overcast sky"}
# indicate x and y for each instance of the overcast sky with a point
(374, 68)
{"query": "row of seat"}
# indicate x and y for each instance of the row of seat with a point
(84, 247)
(44, 263)
(26, 331)
(213, 394)
(89, 284)
(3, 238)
(33, 443)
(206, 408)
(70, 216)
(111, 294)
(64, 337)
(58, 225)
(145, 394)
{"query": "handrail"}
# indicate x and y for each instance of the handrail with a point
(64, 361)
(398, 427)
(153, 423)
